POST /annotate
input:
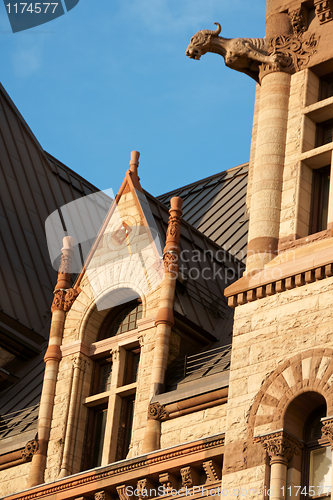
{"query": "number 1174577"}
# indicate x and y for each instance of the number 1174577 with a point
(37, 8)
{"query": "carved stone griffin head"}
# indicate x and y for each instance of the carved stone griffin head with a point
(200, 41)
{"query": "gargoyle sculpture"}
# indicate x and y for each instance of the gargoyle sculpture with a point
(241, 54)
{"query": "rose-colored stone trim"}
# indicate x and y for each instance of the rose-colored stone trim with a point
(64, 299)
(324, 10)
(114, 475)
(321, 364)
(263, 284)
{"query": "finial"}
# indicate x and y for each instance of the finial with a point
(134, 163)
(176, 204)
(64, 273)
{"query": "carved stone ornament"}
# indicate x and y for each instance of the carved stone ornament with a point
(170, 260)
(65, 264)
(115, 354)
(63, 299)
(70, 296)
(100, 495)
(156, 411)
(280, 445)
(323, 10)
(142, 488)
(58, 300)
(121, 490)
(293, 54)
(327, 430)
(30, 449)
(210, 469)
(173, 228)
(241, 54)
(79, 363)
(168, 481)
(186, 475)
(141, 340)
(298, 21)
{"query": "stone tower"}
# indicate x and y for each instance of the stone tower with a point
(280, 406)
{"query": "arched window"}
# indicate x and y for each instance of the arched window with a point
(317, 459)
(114, 383)
(122, 320)
(310, 470)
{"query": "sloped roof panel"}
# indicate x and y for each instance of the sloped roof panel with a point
(33, 184)
(216, 206)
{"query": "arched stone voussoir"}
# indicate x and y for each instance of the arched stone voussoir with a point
(309, 371)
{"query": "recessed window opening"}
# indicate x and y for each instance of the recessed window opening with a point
(320, 199)
(324, 133)
(326, 87)
(317, 457)
(125, 427)
(122, 320)
(132, 366)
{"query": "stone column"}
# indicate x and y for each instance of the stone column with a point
(269, 155)
(268, 170)
(79, 366)
(164, 320)
(63, 299)
(280, 447)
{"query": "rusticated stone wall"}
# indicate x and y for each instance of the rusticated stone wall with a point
(13, 479)
(282, 346)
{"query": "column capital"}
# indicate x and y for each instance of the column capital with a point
(327, 429)
(294, 53)
(280, 446)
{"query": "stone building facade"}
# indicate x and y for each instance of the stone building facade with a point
(258, 424)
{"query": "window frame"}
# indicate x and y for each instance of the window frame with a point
(311, 445)
(122, 350)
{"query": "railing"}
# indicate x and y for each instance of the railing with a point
(200, 363)
(16, 422)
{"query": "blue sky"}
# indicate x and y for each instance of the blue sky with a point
(111, 76)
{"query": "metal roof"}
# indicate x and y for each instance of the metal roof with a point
(216, 206)
(198, 366)
(33, 184)
(17, 428)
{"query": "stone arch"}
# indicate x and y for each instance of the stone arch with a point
(93, 318)
(310, 371)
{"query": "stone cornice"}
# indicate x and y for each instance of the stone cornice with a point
(119, 473)
(296, 272)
